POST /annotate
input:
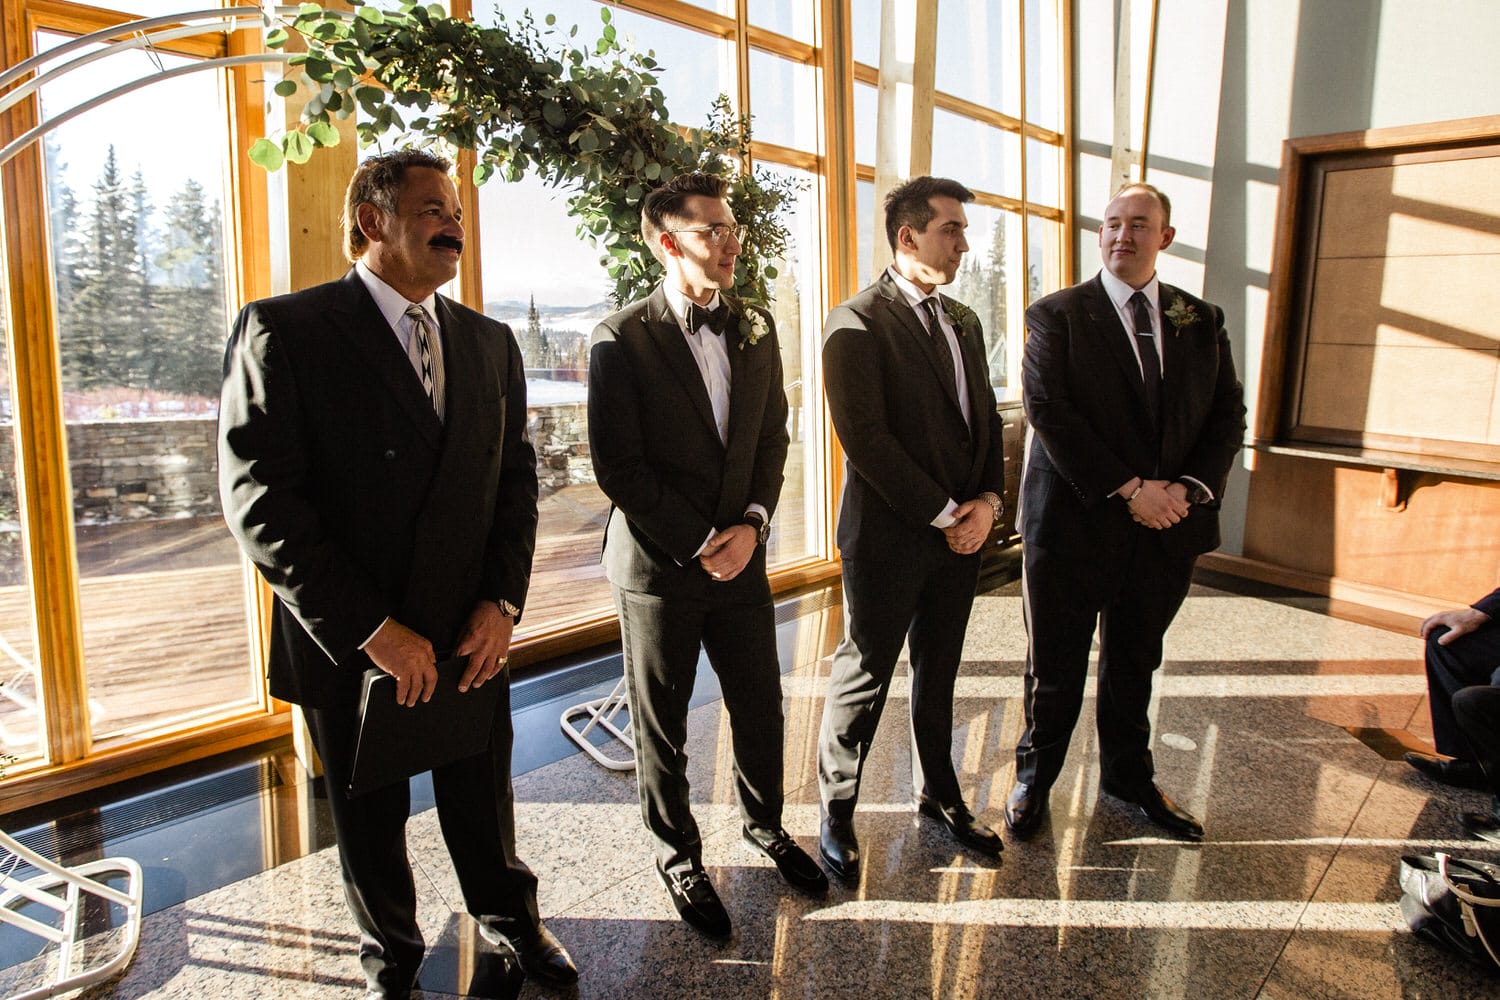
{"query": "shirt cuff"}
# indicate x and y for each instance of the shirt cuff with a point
(374, 633)
(756, 508)
(710, 537)
(946, 519)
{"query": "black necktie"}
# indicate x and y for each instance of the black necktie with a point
(715, 319)
(1145, 342)
(940, 342)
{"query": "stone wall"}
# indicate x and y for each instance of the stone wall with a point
(560, 434)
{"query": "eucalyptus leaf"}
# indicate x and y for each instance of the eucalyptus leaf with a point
(371, 14)
(297, 147)
(286, 88)
(323, 134)
(276, 38)
(266, 154)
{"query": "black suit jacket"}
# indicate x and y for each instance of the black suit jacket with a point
(351, 497)
(1085, 403)
(657, 453)
(907, 447)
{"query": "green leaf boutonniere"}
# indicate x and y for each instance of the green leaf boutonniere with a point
(1181, 314)
(752, 323)
(959, 314)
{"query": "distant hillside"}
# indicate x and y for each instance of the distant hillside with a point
(569, 316)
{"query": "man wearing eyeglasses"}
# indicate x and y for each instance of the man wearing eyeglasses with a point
(687, 430)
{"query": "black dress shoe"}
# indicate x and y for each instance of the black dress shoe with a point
(544, 958)
(1482, 826)
(799, 870)
(961, 823)
(1453, 771)
(1160, 810)
(839, 848)
(696, 902)
(1025, 808)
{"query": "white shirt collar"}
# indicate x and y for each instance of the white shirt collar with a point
(914, 295)
(391, 303)
(678, 302)
(1119, 292)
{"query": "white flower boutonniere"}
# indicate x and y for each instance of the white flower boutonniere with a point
(959, 315)
(752, 323)
(1181, 314)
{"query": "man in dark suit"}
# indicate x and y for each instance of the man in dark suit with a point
(909, 390)
(687, 429)
(374, 466)
(1463, 651)
(1136, 415)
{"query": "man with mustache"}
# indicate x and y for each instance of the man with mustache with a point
(687, 429)
(1136, 415)
(909, 390)
(374, 466)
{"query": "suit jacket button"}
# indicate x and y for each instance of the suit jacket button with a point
(390, 454)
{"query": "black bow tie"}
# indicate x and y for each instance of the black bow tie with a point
(717, 320)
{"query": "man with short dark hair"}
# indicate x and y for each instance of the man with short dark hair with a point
(687, 430)
(909, 390)
(1136, 415)
(374, 466)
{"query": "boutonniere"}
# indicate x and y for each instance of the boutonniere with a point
(1181, 314)
(752, 322)
(958, 314)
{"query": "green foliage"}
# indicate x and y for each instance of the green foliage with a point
(528, 98)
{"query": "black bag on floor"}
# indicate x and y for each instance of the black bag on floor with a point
(1454, 902)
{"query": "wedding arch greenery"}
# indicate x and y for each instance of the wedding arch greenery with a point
(528, 97)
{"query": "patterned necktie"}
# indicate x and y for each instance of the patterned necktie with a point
(421, 349)
(715, 319)
(1145, 341)
(940, 343)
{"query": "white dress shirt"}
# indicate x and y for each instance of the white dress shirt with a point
(393, 305)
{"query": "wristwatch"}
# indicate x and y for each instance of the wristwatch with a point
(996, 504)
(761, 525)
(1197, 493)
(508, 609)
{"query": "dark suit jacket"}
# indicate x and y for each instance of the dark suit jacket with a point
(1085, 403)
(908, 449)
(351, 497)
(657, 453)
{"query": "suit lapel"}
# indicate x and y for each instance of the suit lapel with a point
(905, 317)
(664, 331)
(1173, 350)
(359, 321)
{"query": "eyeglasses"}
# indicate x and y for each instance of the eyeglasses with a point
(716, 234)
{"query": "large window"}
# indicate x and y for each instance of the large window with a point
(546, 282)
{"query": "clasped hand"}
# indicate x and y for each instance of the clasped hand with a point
(971, 526)
(728, 552)
(410, 658)
(1160, 504)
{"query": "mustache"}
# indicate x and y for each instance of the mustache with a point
(447, 243)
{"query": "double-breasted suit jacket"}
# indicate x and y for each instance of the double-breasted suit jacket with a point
(671, 479)
(356, 503)
(909, 450)
(1087, 562)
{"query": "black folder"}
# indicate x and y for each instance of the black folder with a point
(395, 742)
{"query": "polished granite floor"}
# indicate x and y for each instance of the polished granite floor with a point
(1278, 725)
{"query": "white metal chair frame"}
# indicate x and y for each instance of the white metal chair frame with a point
(602, 712)
(42, 890)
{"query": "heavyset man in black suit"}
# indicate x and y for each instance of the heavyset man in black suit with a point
(1136, 416)
(687, 430)
(909, 390)
(374, 466)
(1463, 695)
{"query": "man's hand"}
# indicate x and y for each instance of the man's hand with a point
(406, 656)
(728, 552)
(971, 527)
(1160, 504)
(485, 640)
(1461, 621)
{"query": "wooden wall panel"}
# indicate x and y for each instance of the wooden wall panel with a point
(1411, 209)
(1411, 392)
(1325, 519)
(1407, 302)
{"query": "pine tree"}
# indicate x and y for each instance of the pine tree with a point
(98, 340)
(535, 349)
(190, 318)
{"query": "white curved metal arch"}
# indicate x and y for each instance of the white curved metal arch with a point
(141, 36)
